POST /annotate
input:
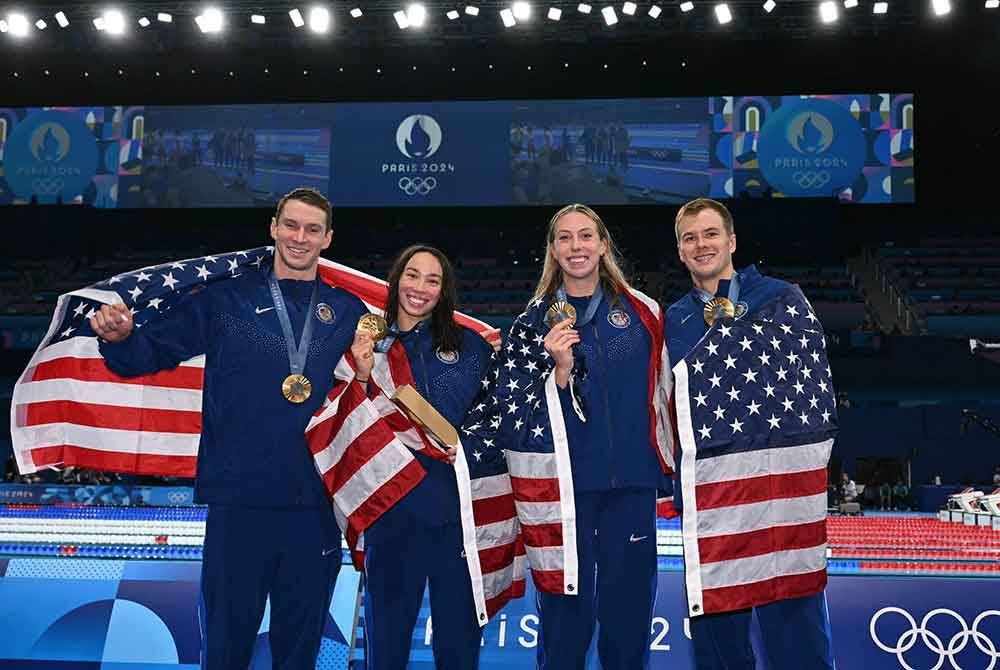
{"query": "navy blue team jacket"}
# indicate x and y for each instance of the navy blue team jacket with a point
(253, 449)
(612, 449)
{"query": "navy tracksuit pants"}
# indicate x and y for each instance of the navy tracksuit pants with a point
(292, 555)
(397, 570)
(616, 547)
(795, 634)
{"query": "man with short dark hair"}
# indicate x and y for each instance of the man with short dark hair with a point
(795, 631)
(271, 340)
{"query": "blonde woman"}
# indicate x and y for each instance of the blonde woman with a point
(582, 398)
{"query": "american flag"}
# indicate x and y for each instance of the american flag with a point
(756, 416)
(362, 446)
(529, 414)
(68, 409)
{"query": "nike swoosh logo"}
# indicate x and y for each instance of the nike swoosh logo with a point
(682, 320)
(327, 552)
(261, 310)
(633, 538)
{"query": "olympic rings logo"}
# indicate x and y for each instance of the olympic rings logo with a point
(177, 496)
(933, 642)
(47, 186)
(417, 185)
(811, 179)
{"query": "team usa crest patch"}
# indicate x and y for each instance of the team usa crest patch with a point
(619, 318)
(447, 357)
(324, 313)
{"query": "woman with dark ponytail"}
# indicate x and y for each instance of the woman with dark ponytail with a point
(419, 540)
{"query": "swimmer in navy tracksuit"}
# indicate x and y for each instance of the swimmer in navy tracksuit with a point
(419, 540)
(795, 632)
(270, 529)
(614, 464)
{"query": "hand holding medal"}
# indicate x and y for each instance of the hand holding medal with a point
(561, 316)
(371, 329)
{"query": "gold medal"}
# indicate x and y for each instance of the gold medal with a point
(296, 388)
(374, 325)
(558, 312)
(718, 307)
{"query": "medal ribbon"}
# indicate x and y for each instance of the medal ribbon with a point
(595, 302)
(296, 356)
(733, 295)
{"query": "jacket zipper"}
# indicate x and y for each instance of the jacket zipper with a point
(607, 403)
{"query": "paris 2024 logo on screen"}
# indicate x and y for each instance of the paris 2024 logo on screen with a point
(53, 157)
(811, 148)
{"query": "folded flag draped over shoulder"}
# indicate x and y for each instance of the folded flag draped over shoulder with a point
(531, 419)
(362, 445)
(756, 416)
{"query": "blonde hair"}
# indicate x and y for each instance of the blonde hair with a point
(699, 205)
(612, 278)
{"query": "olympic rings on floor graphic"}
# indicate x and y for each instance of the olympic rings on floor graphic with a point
(933, 641)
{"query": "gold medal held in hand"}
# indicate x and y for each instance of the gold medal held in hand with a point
(374, 325)
(718, 307)
(296, 388)
(558, 312)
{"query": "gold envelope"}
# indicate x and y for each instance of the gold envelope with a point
(424, 415)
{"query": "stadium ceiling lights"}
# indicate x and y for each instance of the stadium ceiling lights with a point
(610, 17)
(210, 20)
(452, 14)
(686, 6)
(61, 19)
(114, 22)
(522, 10)
(941, 7)
(850, 4)
(723, 14)
(583, 8)
(356, 13)
(629, 8)
(769, 6)
(472, 10)
(992, 4)
(416, 14)
(555, 13)
(507, 16)
(163, 17)
(654, 12)
(828, 11)
(319, 19)
(880, 8)
(296, 16)
(258, 19)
